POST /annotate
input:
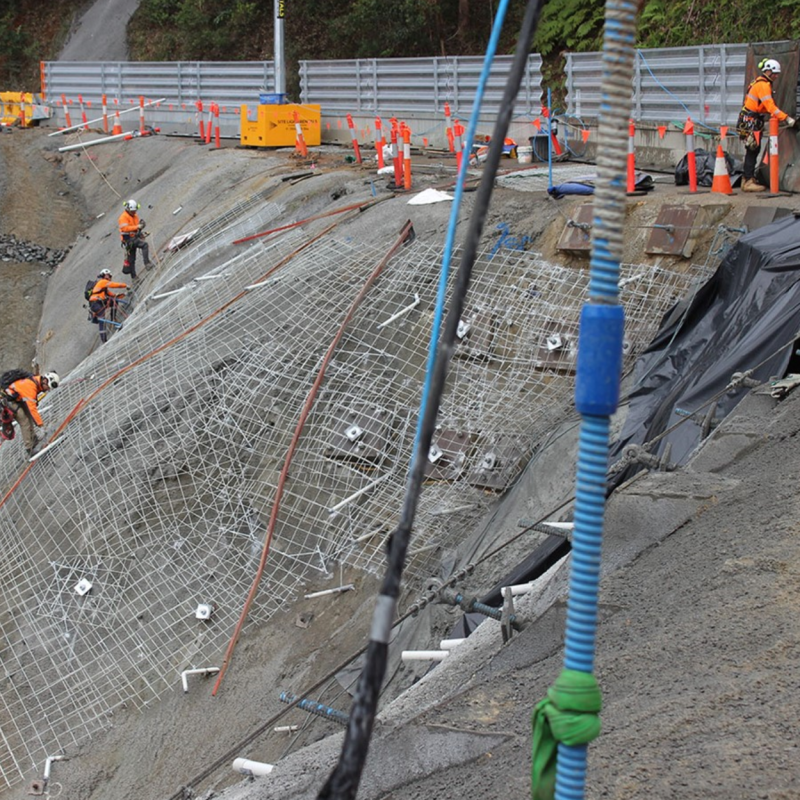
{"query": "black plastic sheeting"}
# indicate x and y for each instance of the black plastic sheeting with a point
(746, 317)
(704, 168)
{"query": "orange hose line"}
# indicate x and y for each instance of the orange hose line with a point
(305, 411)
(86, 400)
(352, 207)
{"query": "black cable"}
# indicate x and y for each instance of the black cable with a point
(342, 784)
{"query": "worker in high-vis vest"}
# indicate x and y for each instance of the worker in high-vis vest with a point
(758, 107)
(131, 231)
(22, 397)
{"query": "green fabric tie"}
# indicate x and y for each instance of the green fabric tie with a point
(568, 714)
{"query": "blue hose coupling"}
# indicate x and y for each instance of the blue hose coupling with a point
(599, 359)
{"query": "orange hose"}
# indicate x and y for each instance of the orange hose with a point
(305, 411)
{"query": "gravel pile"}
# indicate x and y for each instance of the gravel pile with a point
(13, 249)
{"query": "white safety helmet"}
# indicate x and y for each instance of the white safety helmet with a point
(131, 206)
(52, 379)
(771, 65)
(104, 273)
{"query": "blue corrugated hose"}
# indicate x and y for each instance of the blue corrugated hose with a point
(599, 367)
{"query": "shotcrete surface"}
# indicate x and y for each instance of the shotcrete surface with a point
(698, 638)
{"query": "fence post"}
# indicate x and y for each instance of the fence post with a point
(407, 158)
(354, 137)
(379, 142)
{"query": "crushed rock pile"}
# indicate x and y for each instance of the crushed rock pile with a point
(13, 249)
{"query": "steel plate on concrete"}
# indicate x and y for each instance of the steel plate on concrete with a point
(577, 235)
(671, 234)
(449, 453)
(362, 432)
(479, 337)
(496, 466)
(759, 216)
(557, 347)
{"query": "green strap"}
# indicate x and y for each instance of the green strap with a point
(568, 714)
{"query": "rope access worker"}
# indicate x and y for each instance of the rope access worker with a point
(758, 106)
(22, 397)
(100, 294)
(131, 231)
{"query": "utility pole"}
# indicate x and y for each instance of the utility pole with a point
(280, 73)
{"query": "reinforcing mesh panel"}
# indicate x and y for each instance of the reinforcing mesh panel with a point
(160, 490)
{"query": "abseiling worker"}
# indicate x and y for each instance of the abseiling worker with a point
(22, 397)
(101, 293)
(757, 109)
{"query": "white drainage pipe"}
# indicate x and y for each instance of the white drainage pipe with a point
(346, 588)
(424, 655)
(449, 644)
(48, 761)
(517, 589)
(286, 728)
(202, 671)
(254, 768)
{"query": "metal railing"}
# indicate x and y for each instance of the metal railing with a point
(705, 83)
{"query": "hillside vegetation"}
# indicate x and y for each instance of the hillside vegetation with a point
(229, 30)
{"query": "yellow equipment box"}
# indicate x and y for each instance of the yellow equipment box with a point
(272, 125)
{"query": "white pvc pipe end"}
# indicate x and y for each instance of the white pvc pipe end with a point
(254, 768)
(449, 644)
(424, 655)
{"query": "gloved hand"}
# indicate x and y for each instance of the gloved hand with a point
(141, 221)
(791, 122)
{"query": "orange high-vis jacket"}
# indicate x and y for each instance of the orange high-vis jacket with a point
(128, 223)
(758, 99)
(100, 291)
(26, 390)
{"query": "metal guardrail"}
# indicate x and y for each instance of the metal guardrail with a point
(705, 83)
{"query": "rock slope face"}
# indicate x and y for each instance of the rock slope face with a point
(174, 437)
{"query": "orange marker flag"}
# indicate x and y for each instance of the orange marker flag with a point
(537, 123)
(689, 126)
(723, 131)
(662, 129)
(585, 135)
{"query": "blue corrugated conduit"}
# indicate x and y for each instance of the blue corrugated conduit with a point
(569, 714)
(343, 782)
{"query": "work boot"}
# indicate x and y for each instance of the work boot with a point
(752, 185)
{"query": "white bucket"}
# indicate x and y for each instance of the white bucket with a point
(524, 154)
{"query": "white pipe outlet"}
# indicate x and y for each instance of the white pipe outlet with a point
(254, 768)
(449, 644)
(517, 589)
(48, 761)
(286, 728)
(201, 671)
(424, 655)
(346, 588)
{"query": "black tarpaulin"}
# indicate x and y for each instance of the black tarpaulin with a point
(746, 317)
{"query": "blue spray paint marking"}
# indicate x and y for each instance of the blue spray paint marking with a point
(510, 242)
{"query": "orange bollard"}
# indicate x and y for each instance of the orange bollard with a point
(407, 158)
(300, 142)
(398, 172)
(458, 130)
(379, 142)
(209, 121)
(774, 177)
(216, 126)
(67, 120)
(84, 120)
(691, 162)
(631, 187)
(449, 129)
(105, 115)
(200, 124)
(22, 122)
(354, 137)
(141, 115)
(722, 181)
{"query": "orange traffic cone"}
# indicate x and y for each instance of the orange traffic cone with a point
(117, 125)
(722, 181)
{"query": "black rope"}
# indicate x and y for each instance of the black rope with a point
(343, 782)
